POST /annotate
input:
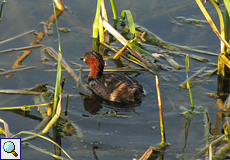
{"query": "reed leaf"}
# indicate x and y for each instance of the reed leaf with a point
(227, 6)
(43, 151)
(227, 25)
(45, 138)
(225, 60)
(222, 32)
(114, 32)
(211, 23)
(58, 77)
(132, 45)
(127, 13)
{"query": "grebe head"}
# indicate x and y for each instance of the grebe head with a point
(95, 62)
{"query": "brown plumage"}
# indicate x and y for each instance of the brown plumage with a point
(110, 86)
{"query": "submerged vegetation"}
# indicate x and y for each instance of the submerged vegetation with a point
(128, 45)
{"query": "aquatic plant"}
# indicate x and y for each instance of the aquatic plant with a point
(163, 143)
(58, 78)
(194, 110)
(100, 25)
(223, 35)
(223, 60)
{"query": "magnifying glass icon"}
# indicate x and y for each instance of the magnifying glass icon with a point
(9, 147)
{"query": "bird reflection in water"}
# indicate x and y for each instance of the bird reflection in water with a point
(93, 104)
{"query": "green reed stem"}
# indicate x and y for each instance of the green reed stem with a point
(226, 28)
(113, 5)
(58, 78)
(188, 85)
(96, 20)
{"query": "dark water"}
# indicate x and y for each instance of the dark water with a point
(110, 137)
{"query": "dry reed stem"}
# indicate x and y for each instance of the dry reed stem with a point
(54, 54)
(16, 70)
(18, 36)
(6, 127)
(21, 48)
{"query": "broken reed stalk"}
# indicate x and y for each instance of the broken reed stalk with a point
(54, 54)
(21, 48)
(17, 70)
(163, 138)
(147, 154)
(18, 36)
(59, 5)
(65, 65)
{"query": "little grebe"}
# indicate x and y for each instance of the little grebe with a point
(111, 86)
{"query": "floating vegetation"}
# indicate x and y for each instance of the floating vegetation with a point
(199, 58)
(65, 30)
(172, 62)
(187, 113)
(185, 83)
(191, 21)
(118, 115)
(151, 38)
(210, 73)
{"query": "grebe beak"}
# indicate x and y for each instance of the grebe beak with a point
(82, 58)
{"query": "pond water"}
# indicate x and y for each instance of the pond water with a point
(110, 137)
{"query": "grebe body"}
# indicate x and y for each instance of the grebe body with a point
(110, 86)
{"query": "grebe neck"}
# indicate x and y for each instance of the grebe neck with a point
(96, 67)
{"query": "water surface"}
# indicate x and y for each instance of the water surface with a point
(110, 137)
